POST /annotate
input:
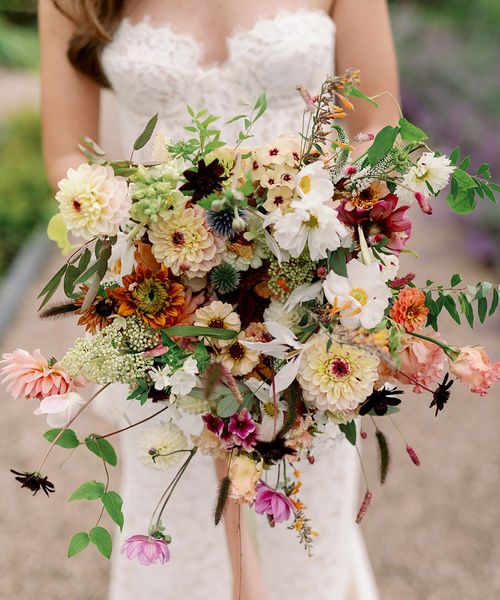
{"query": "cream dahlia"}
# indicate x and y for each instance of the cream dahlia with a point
(184, 242)
(337, 378)
(158, 444)
(219, 315)
(93, 201)
(33, 376)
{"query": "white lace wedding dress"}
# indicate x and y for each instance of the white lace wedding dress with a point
(154, 69)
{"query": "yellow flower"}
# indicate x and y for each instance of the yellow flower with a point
(239, 359)
(244, 474)
(219, 315)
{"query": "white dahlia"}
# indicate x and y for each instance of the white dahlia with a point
(93, 201)
(182, 241)
(157, 444)
(338, 378)
(430, 169)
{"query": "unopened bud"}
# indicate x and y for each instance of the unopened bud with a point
(364, 506)
(423, 202)
(217, 205)
(363, 434)
(413, 455)
(238, 224)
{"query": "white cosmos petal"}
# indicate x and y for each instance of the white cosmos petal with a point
(281, 333)
(269, 348)
(286, 375)
(301, 294)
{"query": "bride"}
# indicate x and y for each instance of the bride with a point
(157, 56)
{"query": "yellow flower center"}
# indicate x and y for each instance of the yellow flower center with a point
(151, 296)
(305, 184)
(313, 222)
(268, 408)
(360, 295)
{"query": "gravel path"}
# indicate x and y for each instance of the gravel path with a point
(431, 532)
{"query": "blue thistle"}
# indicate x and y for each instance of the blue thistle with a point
(225, 278)
(222, 221)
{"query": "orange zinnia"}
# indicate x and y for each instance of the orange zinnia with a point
(151, 296)
(410, 310)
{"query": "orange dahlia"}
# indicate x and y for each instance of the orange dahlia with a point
(151, 296)
(409, 309)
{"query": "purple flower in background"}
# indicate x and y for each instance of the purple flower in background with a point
(241, 424)
(272, 503)
(213, 423)
(148, 550)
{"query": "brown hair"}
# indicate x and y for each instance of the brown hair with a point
(95, 22)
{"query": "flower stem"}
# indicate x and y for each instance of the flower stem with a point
(101, 437)
(450, 351)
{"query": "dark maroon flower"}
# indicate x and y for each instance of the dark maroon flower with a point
(204, 179)
(380, 221)
(213, 423)
(34, 482)
(241, 424)
(401, 282)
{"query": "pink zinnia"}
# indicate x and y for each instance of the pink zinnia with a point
(273, 503)
(148, 550)
(33, 376)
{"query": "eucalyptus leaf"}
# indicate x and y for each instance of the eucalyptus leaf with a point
(227, 406)
(145, 136)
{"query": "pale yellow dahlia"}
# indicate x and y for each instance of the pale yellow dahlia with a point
(239, 359)
(93, 202)
(183, 242)
(159, 446)
(219, 315)
(338, 378)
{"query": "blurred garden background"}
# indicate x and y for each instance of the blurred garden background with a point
(439, 523)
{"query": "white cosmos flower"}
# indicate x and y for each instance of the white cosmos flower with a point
(272, 409)
(360, 298)
(430, 169)
(313, 182)
(284, 346)
(60, 408)
(185, 379)
(311, 222)
(161, 377)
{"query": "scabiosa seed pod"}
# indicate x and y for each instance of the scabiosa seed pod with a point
(364, 506)
(225, 278)
(413, 455)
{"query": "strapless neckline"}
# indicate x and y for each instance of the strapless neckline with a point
(234, 36)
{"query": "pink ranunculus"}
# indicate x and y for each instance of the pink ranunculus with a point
(273, 503)
(148, 550)
(421, 363)
(33, 376)
(475, 369)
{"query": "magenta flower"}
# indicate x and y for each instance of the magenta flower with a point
(213, 423)
(148, 550)
(241, 424)
(273, 503)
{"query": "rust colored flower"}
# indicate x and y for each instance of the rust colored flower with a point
(152, 296)
(98, 314)
(410, 310)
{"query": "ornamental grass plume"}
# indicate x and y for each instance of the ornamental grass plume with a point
(34, 376)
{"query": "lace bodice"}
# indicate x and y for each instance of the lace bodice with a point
(152, 68)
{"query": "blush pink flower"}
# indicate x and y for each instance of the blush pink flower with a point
(421, 363)
(33, 376)
(475, 369)
(273, 503)
(148, 550)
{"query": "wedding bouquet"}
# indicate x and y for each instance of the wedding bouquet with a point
(256, 287)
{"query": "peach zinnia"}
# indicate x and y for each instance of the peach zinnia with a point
(410, 310)
(151, 296)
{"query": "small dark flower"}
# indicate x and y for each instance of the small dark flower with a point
(34, 482)
(274, 451)
(204, 179)
(380, 400)
(441, 394)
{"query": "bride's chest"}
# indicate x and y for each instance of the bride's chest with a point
(152, 66)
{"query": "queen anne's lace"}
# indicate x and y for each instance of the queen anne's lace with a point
(154, 69)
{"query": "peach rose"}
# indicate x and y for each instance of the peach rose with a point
(474, 369)
(244, 474)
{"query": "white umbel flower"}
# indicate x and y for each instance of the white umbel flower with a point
(360, 298)
(430, 169)
(157, 443)
(93, 201)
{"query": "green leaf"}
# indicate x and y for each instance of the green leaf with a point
(411, 133)
(68, 439)
(455, 280)
(463, 179)
(260, 106)
(466, 309)
(338, 262)
(192, 330)
(494, 302)
(113, 502)
(455, 155)
(382, 144)
(353, 91)
(465, 164)
(51, 287)
(349, 430)
(102, 540)
(483, 289)
(78, 543)
(58, 233)
(145, 136)
(487, 190)
(451, 307)
(91, 490)
(482, 308)
(227, 407)
(102, 448)
(484, 170)
(495, 187)
(460, 201)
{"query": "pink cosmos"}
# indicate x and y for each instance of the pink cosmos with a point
(241, 424)
(474, 368)
(33, 376)
(272, 503)
(146, 549)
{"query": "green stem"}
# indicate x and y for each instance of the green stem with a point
(450, 351)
